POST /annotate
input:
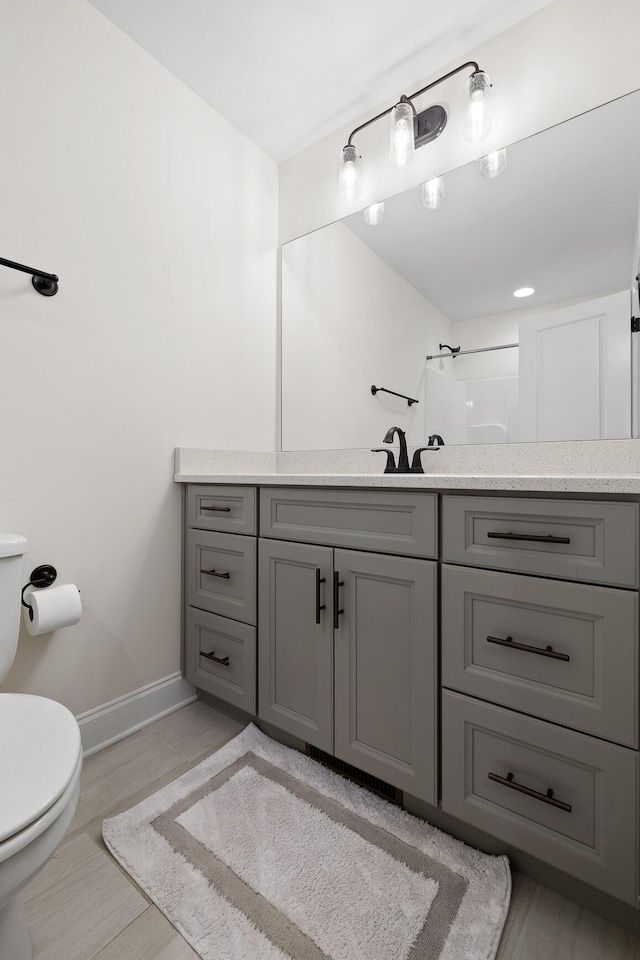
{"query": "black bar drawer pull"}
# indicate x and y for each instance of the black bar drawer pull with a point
(547, 651)
(319, 606)
(337, 583)
(529, 537)
(218, 509)
(212, 656)
(214, 573)
(547, 797)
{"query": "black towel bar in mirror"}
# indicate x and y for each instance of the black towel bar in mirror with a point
(402, 396)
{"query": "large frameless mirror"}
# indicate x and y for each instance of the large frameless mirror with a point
(498, 298)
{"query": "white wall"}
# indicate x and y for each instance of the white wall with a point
(567, 58)
(160, 219)
(350, 321)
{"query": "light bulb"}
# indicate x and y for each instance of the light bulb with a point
(523, 292)
(494, 163)
(478, 119)
(349, 174)
(374, 214)
(433, 193)
(402, 140)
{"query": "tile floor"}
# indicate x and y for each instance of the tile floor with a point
(83, 906)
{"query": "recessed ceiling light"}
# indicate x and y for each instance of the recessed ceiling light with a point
(523, 292)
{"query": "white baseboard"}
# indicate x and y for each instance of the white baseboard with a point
(119, 718)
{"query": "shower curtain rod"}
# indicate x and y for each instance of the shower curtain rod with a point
(462, 353)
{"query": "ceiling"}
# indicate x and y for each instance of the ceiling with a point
(289, 72)
(561, 218)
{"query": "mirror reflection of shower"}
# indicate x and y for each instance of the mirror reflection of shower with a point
(565, 376)
(466, 407)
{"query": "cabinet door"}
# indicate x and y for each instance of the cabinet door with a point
(295, 652)
(385, 668)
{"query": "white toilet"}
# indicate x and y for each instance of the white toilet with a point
(40, 765)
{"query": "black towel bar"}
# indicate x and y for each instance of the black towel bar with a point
(44, 283)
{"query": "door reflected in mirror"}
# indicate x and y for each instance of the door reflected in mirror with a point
(526, 274)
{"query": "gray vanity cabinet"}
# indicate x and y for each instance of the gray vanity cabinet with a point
(220, 592)
(347, 637)
(360, 627)
(330, 596)
(296, 640)
(551, 765)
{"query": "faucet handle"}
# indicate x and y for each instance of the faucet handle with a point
(391, 463)
(416, 463)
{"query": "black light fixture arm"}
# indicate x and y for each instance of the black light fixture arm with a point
(412, 96)
(44, 283)
(452, 73)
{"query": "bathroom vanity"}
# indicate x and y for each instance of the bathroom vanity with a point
(477, 650)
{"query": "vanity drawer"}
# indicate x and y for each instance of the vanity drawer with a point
(577, 540)
(221, 574)
(228, 509)
(387, 522)
(497, 769)
(232, 676)
(588, 679)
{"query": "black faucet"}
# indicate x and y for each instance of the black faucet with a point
(403, 458)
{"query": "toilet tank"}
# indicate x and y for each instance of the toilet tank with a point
(12, 548)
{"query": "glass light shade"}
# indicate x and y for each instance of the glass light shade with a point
(402, 140)
(433, 193)
(349, 174)
(374, 214)
(494, 163)
(478, 117)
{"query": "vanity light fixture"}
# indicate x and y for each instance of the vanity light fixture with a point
(478, 115)
(402, 134)
(524, 291)
(374, 214)
(433, 193)
(350, 174)
(494, 163)
(410, 129)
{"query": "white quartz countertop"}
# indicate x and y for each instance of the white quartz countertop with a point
(224, 467)
(430, 481)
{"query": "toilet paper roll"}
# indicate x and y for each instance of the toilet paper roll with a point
(53, 608)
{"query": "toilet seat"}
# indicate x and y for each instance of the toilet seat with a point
(40, 749)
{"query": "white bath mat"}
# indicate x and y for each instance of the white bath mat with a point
(260, 853)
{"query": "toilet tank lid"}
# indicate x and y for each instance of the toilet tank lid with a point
(13, 545)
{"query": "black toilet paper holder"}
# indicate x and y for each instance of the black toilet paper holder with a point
(42, 576)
